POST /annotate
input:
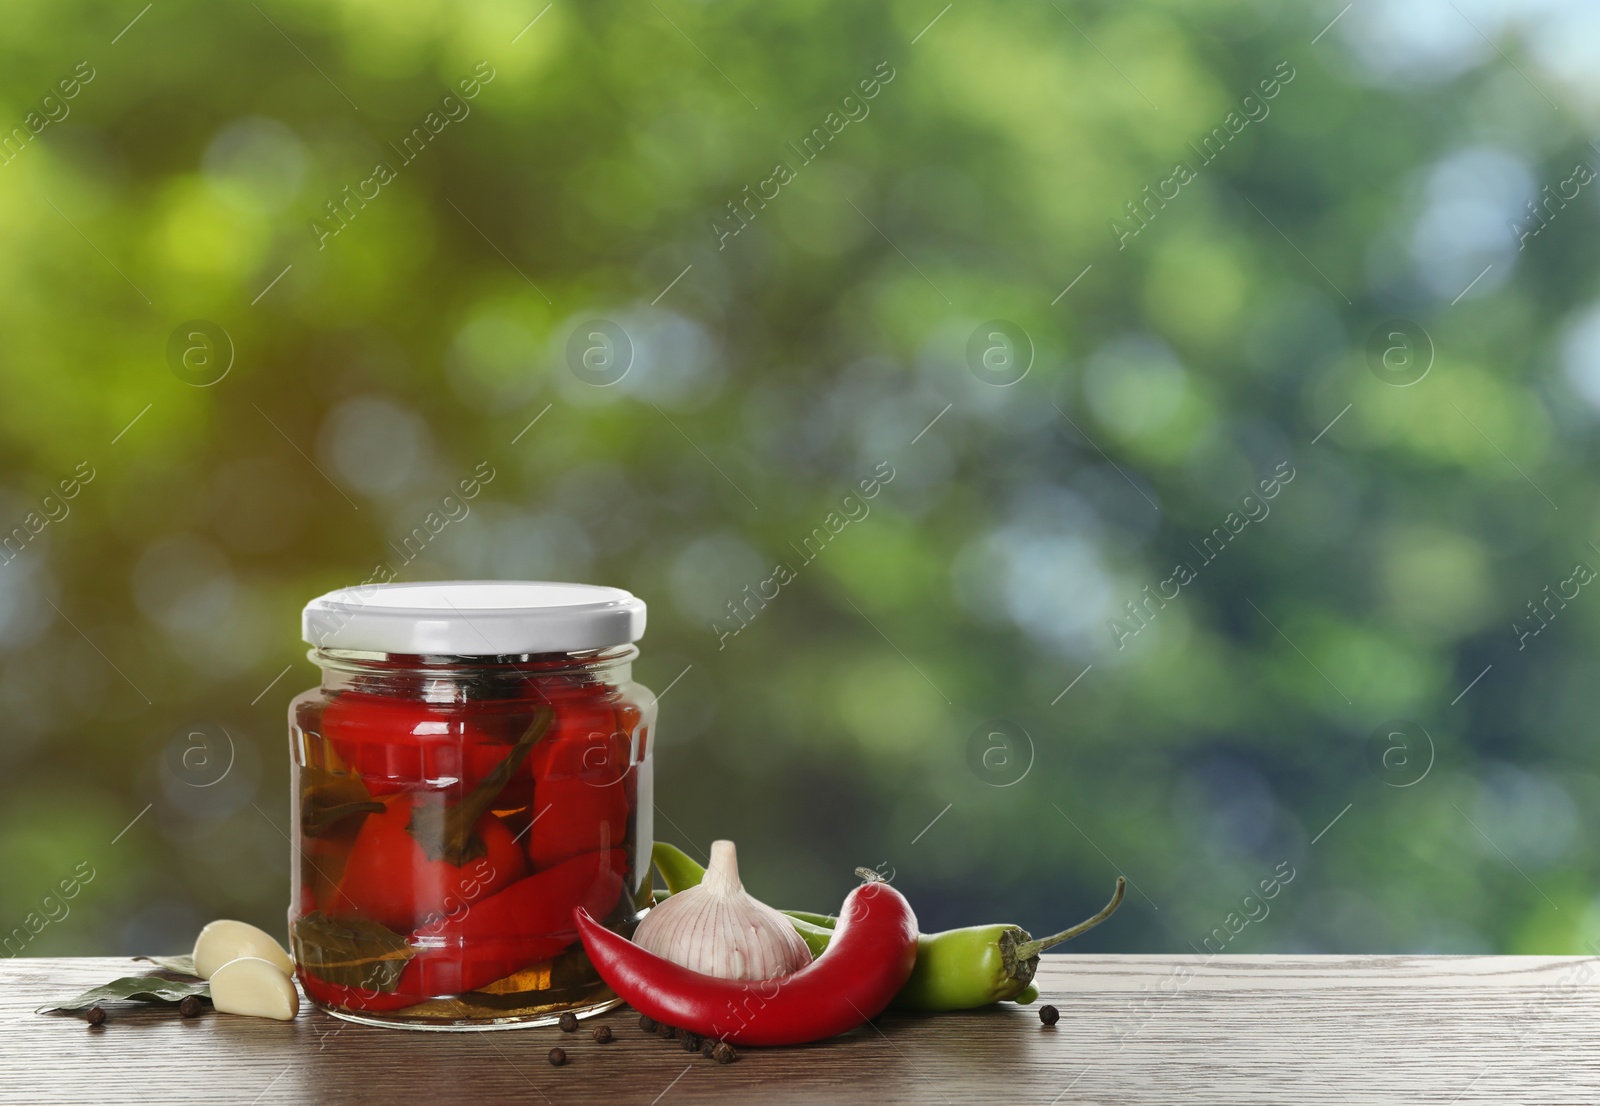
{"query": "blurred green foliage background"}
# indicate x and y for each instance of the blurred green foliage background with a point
(383, 354)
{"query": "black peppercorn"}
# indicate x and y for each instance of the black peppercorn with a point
(95, 1016)
(665, 1031)
(689, 1041)
(190, 1007)
(647, 1023)
(568, 1022)
(602, 1033)
(723, 1053)
(1049, 1015)
(707, 1047)
(557, 1057)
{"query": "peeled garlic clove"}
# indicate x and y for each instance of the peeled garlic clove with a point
(255, 988)
(226, 940)
(717, 927)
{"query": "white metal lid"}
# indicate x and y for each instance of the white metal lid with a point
(473, 618)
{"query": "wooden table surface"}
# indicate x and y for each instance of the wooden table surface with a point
(1133, 1030)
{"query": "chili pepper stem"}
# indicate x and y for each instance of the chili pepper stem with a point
(1030, 949)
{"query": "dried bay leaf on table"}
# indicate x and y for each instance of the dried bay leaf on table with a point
(182, 964)
(144, 988)
(351, 952)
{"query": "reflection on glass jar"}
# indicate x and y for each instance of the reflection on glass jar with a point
(475, 765)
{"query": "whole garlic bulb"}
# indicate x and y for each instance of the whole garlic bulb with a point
(717, 928)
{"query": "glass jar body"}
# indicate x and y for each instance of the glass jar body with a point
(450, 813)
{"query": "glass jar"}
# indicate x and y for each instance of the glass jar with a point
(475, 765)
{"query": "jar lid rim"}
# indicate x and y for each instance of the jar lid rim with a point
(473, 617)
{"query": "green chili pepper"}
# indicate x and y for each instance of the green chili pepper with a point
(677, 867)
(816, 937)
(959, 969)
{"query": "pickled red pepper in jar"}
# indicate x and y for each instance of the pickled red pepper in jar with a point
(475, 765)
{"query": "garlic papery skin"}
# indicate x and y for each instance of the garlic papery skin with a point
(718, 929)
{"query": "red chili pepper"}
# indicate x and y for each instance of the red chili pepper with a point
(575, 817)
(391, 879)
(497, 936)
(581, 792)
(410, 859)
(341, 997)
(529, 921)
(869, 959)
(397, 744)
